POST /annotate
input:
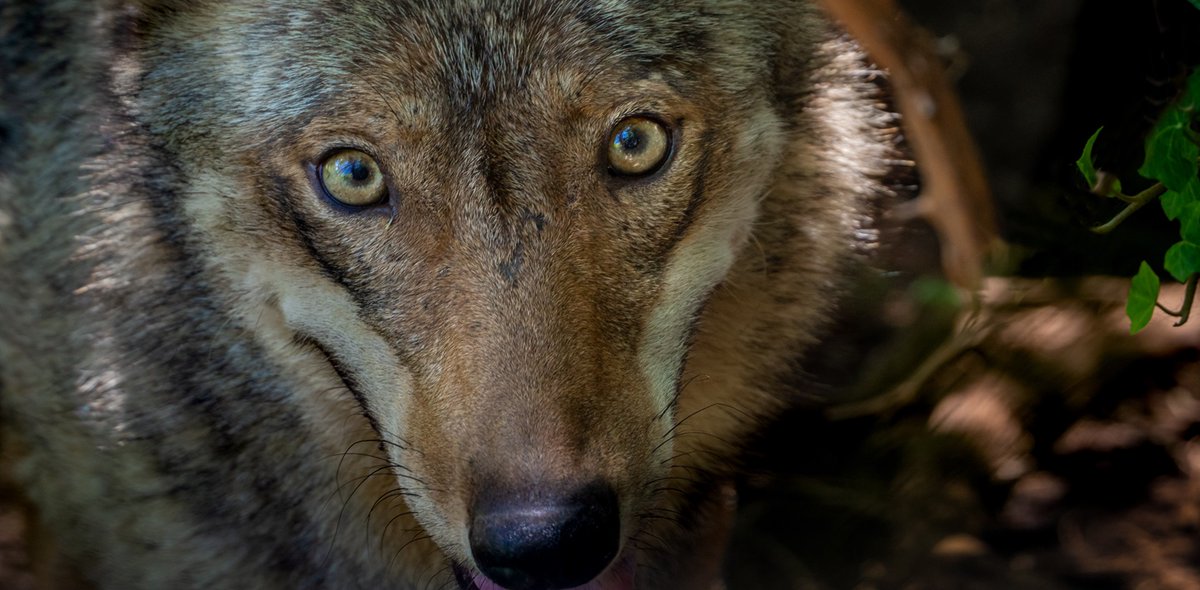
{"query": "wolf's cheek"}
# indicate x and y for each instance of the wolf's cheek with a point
(309, 324)
(700, 261)
(363, 359)
(703, 258)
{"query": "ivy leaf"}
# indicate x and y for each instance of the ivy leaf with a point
(1189, 222)
(1174, 202)
(1195, 3)
(1170, 155)
(1143, 294)
(1183, 260)
(1084, 163)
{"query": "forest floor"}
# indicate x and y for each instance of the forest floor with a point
(1041, 446)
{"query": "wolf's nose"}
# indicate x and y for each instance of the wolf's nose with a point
(545, 543)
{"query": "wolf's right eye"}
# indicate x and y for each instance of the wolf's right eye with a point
(352, 178)
(638, 146)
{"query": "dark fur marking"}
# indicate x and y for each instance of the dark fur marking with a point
(494, 177)
(691, 39)
(511, 268)
(698, 194)
(537, 219)
(343, 374)
(308, 236)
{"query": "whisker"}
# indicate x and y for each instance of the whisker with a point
(389, 495)
(675, 398)
(393, 520)
(446, 569)
(419, 536)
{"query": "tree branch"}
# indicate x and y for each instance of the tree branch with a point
(954, 195)
(1134, 203)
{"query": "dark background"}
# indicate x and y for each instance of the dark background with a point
(1024, 440)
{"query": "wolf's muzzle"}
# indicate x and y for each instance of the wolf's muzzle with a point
(545, 542)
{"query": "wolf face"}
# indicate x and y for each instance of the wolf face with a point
(509, 280)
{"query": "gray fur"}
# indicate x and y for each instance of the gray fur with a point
(152, 422)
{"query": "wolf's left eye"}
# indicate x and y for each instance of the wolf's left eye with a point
(638, 146)
(352, 178)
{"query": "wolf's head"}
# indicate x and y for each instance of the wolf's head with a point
(560, 257)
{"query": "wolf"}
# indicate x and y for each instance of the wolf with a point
(407, 294)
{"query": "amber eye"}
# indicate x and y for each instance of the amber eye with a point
(352, 178)
(638, 146)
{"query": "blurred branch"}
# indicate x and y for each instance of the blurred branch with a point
(954, 195)
(1132, 205)
(1186, 307)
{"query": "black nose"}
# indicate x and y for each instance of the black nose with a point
(541, 541)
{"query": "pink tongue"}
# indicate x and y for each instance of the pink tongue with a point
(618, 577)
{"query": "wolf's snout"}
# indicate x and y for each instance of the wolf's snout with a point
(545, 542)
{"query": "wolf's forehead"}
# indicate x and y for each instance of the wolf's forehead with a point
(477, 54)
(277, 63)
(482, 47)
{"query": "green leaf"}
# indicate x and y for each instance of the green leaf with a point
(1143, 294)
(1173, 202)
(1170, 155)
(1195, 3)
(1084, 163)
(1182, 260)
(1189, 223)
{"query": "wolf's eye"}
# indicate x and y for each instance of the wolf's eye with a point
(638, 146)
(351, 177)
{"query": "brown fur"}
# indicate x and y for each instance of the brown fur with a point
(222, 380)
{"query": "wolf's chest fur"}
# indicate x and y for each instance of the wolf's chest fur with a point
(373, 294)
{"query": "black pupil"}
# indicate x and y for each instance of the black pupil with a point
(629, 140)
(356, 169)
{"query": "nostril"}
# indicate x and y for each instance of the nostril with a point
(546, 543)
